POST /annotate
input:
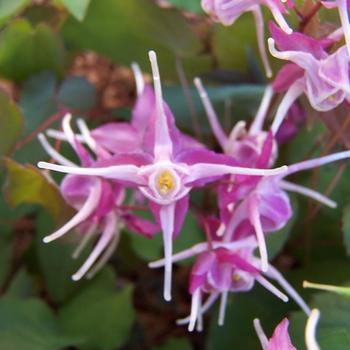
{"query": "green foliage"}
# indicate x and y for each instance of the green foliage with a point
(41, 190)
(188, 5)
(108, 30)
(242, 309)
(99, 315)
(29, 325)
(37, 100)
(56, 262)
(27, 49)
(77, 8)
(11, 123)
(333, 330)
(10, 8)
(77, 93)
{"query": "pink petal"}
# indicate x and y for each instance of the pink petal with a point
(280, 338)
(118, 137)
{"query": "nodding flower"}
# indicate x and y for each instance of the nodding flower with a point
(259, 205)
(228, 11)
(224, 267)
(166, 173)
(280, 339)
(323, 77)
(98, 202)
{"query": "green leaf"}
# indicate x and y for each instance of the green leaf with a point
(241, 310)
(11, 122)
(334, 327)
(107, 29)
(26, 50)
(99, 315)
(21, 286)
(175, 344)
(37, 100)
(244, 98)
(26, 184)
(10, 8)
(188, 5)
(56, 262)
(231, 44)
(29, 325)
(346, 228)
(77, 93)
(77, 8)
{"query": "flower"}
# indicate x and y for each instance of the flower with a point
(280, 339)
(165, 172)
(98, 203)
(222, 267)
(323, 77)
(257, 205)
(228, 11)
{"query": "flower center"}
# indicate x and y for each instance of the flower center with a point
(165, 182)
(236, 277)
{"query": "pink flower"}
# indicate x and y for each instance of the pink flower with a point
(223, 267)
(228, 11)
(323, 77)
(257, 205)
(165, 172)
(98, 203)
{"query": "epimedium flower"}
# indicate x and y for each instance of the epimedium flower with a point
(323, 77)
(166, 173)
(228, 11)
(259, 205)
(280, 339)
(224, 267)
(99, 205)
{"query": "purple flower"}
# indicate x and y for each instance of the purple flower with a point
(257, 205)
(228, 11)
(165, 172)
(323, 77)
(98, 203)
(280, 339)
(223, 267)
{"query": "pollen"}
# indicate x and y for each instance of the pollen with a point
(236, 277)
(165, 182)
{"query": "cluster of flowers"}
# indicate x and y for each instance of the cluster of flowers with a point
(161, 166)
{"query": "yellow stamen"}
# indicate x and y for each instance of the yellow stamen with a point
(165, 182)
(236, 277)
